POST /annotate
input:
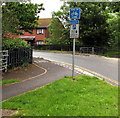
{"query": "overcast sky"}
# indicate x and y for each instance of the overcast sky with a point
(50, 6)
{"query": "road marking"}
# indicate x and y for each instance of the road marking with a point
(87, 71)
(40, 61)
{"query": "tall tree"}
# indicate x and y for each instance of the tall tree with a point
(114, 30)
(63, 16)
(20, 16)
(92, 22)
(56, 29)
(10, 22)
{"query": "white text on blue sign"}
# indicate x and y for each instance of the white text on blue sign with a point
(74, 13)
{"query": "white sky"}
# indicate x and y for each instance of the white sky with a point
(50, 6)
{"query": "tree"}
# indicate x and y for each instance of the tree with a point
(113, 7)
(92, 23)
(113, 21)
(9, 21)
(63, 16)
(56, 29)
(18, 16)
(113, 29)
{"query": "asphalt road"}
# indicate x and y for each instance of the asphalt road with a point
(107, 67)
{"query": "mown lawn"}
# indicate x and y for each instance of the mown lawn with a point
(86, 96)
(3, 82)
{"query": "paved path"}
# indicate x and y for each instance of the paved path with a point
(23, 73)
(52, 72)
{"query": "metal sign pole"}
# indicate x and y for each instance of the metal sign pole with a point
(73, 57)
(74, 32)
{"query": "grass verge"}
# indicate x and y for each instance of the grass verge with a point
(85, 96)
(55, 51)
(112, 54)
(3, 82)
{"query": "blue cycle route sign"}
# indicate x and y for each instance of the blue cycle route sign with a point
(74, 13)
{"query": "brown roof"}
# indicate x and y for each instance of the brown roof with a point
(44, 22)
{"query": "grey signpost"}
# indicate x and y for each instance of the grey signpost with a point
(74, 31)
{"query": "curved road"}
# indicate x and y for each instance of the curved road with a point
(107, 67)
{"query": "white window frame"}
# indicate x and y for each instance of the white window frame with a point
(40, 31)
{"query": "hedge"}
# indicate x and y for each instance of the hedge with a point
(14, 44)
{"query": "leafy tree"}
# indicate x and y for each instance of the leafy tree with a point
(113, 29)
(56, 29)
(63, 16)
(9, 21)
(113, 7)
(20, 16)
(52, 41)
(92, 23)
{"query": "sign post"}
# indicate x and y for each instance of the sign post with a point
(74, 31)
(73, 59)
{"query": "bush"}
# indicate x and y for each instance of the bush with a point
(14, 44)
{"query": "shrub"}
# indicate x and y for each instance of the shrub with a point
(14, 44)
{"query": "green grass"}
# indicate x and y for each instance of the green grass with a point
(111, 53)
(86, 96)
(3, 82)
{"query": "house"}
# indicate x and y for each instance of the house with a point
(39, 34)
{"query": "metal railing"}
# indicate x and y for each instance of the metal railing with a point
(17, 57)
(3, 60)
(89, 50)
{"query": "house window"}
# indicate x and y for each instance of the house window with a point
(40, 31)
(39, 42)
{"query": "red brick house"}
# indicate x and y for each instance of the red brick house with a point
(39, 34)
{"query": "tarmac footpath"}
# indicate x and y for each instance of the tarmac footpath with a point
(42, 73)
